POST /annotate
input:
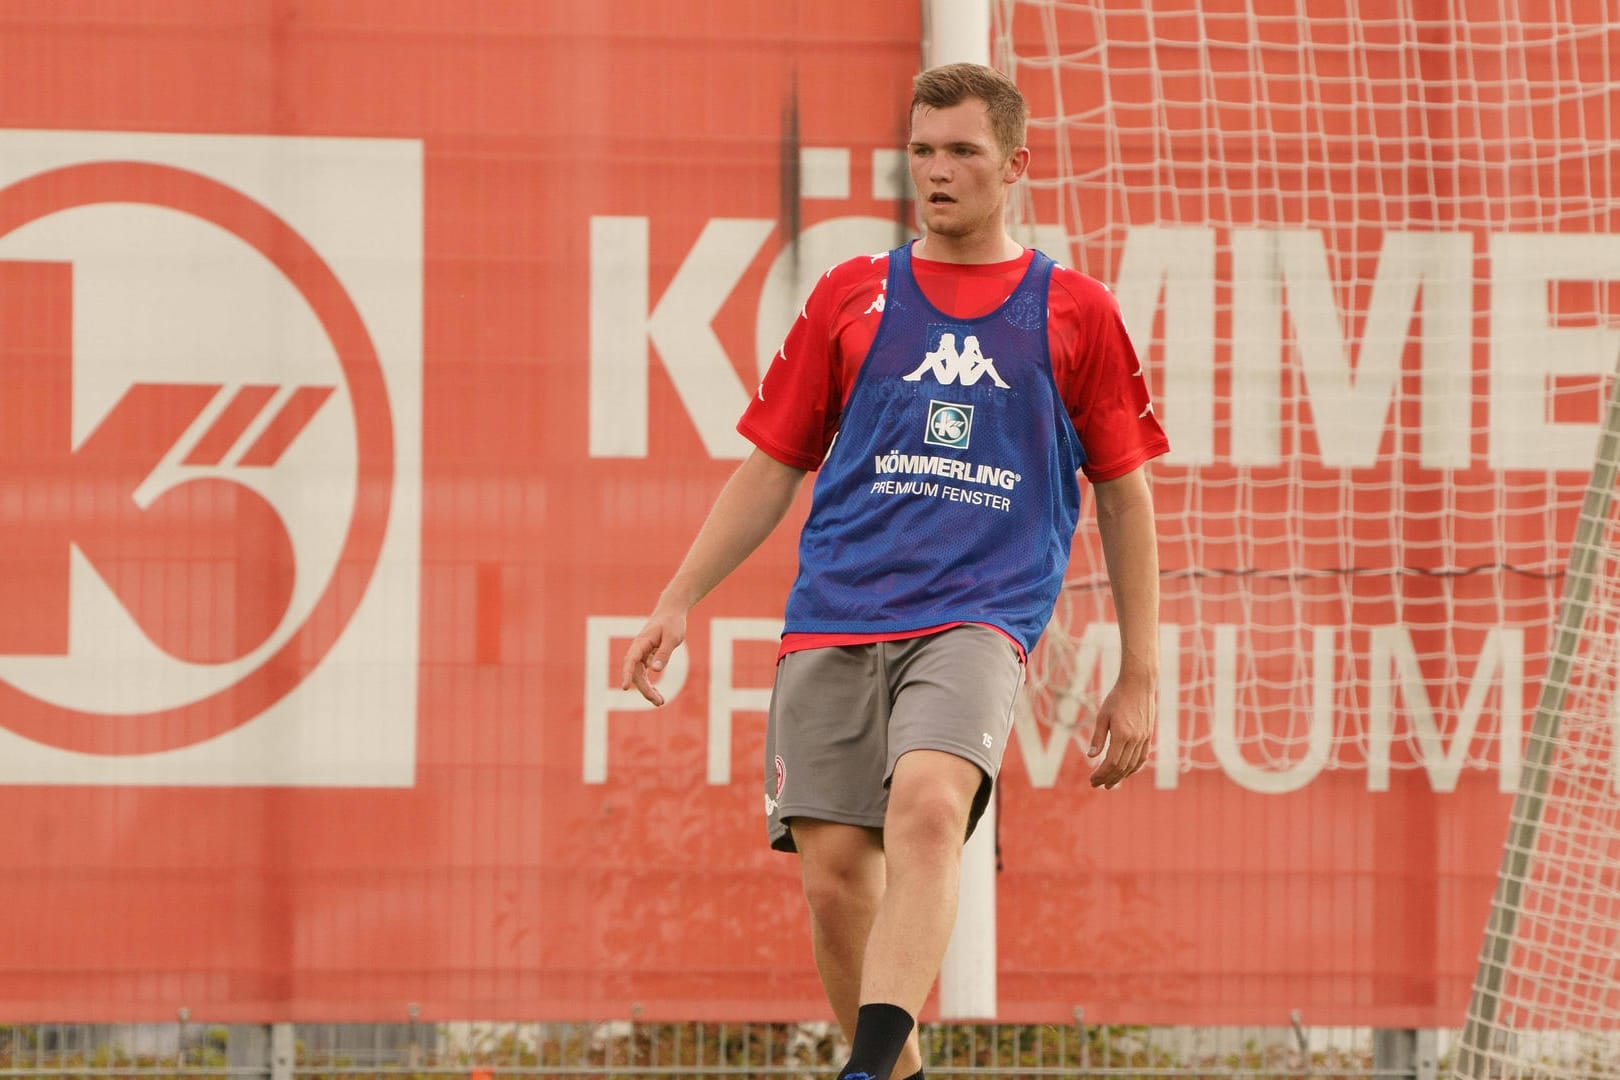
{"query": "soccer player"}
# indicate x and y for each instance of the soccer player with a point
(967, 381)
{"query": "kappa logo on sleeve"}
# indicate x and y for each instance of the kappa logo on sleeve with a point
(210, 432)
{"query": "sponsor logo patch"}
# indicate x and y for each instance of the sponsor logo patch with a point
(949, 424)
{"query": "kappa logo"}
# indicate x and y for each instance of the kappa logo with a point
(214, 376)
(948, 365)
(877, 304)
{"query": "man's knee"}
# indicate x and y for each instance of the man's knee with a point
(841, 866)
(930, 800)
(931, 818)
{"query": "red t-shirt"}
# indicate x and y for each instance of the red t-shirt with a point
(795, 413)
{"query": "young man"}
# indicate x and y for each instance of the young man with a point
(967, 380)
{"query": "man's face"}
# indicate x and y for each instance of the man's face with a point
(960, 172)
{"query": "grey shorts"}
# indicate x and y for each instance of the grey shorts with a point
(840, 718)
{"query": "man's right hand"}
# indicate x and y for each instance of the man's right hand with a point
(649, 654)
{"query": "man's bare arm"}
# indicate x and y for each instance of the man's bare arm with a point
(753, 502)
(1126, 525)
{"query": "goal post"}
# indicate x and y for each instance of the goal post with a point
(1556, 908)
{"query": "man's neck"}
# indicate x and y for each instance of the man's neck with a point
(993, 248)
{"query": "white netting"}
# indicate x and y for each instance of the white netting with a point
(1363, 249)
(1369, 253)
(1546, 1000)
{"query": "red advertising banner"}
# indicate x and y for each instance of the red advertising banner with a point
(365, 369)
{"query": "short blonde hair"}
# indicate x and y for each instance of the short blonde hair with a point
(951, 84)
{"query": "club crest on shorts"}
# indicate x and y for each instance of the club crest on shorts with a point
(772, 797)
(949, 424)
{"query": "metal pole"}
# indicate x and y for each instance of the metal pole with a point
(1530, 802)
(957, 31)
(282, 1051)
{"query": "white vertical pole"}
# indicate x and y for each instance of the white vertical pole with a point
(967, 978)
(956, 31)
(283, 1051)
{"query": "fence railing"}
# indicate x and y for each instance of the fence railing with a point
(650, 1051)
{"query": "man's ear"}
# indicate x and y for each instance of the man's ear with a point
(1017, 165)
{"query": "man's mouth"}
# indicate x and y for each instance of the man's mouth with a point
(939, 198)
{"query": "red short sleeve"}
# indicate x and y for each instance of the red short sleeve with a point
(1100, 378)
(794, 414)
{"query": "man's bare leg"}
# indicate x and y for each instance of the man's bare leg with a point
(930, 796)
(843, 871)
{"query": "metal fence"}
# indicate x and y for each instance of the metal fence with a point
(649, 1051)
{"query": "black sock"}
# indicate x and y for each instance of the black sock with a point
(880, 1035)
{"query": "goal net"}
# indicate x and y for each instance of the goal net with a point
(1548, 985)
(1368, 252)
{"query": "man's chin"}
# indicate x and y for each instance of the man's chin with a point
(945, 225)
